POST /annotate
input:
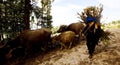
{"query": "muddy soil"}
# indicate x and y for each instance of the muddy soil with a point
(78, 55)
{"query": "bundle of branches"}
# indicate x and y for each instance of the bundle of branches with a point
(105, 36)
(95, 12)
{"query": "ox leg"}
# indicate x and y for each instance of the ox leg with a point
(77, 39)
(62, 45)
(70, 45)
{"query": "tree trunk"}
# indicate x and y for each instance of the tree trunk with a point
(27, 14)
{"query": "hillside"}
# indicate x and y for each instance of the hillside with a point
(104, 55)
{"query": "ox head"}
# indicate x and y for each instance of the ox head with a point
(62, 28)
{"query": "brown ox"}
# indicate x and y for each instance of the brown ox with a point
(36, 38)
(28, 40)
(65, 39)
(75, 27)
(32, 40)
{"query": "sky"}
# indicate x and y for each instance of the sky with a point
(65, 11)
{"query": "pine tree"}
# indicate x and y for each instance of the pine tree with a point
(46, 13)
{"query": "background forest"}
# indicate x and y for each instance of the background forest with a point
(16, 15)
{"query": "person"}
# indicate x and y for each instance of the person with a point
(92, 33)
(89, 22)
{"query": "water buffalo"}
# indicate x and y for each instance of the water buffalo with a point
(65, 39)
(75, 27)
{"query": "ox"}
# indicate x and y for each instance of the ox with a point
(65, 39)
(31, 41)
(35, 39)
(28, 41)
(75, 27)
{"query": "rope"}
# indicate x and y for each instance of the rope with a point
(89, 26)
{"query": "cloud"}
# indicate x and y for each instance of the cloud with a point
(110, 10)
(65, 14)
(110, 3)
(58, 1)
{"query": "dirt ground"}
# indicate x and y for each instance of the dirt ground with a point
(104, 55)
